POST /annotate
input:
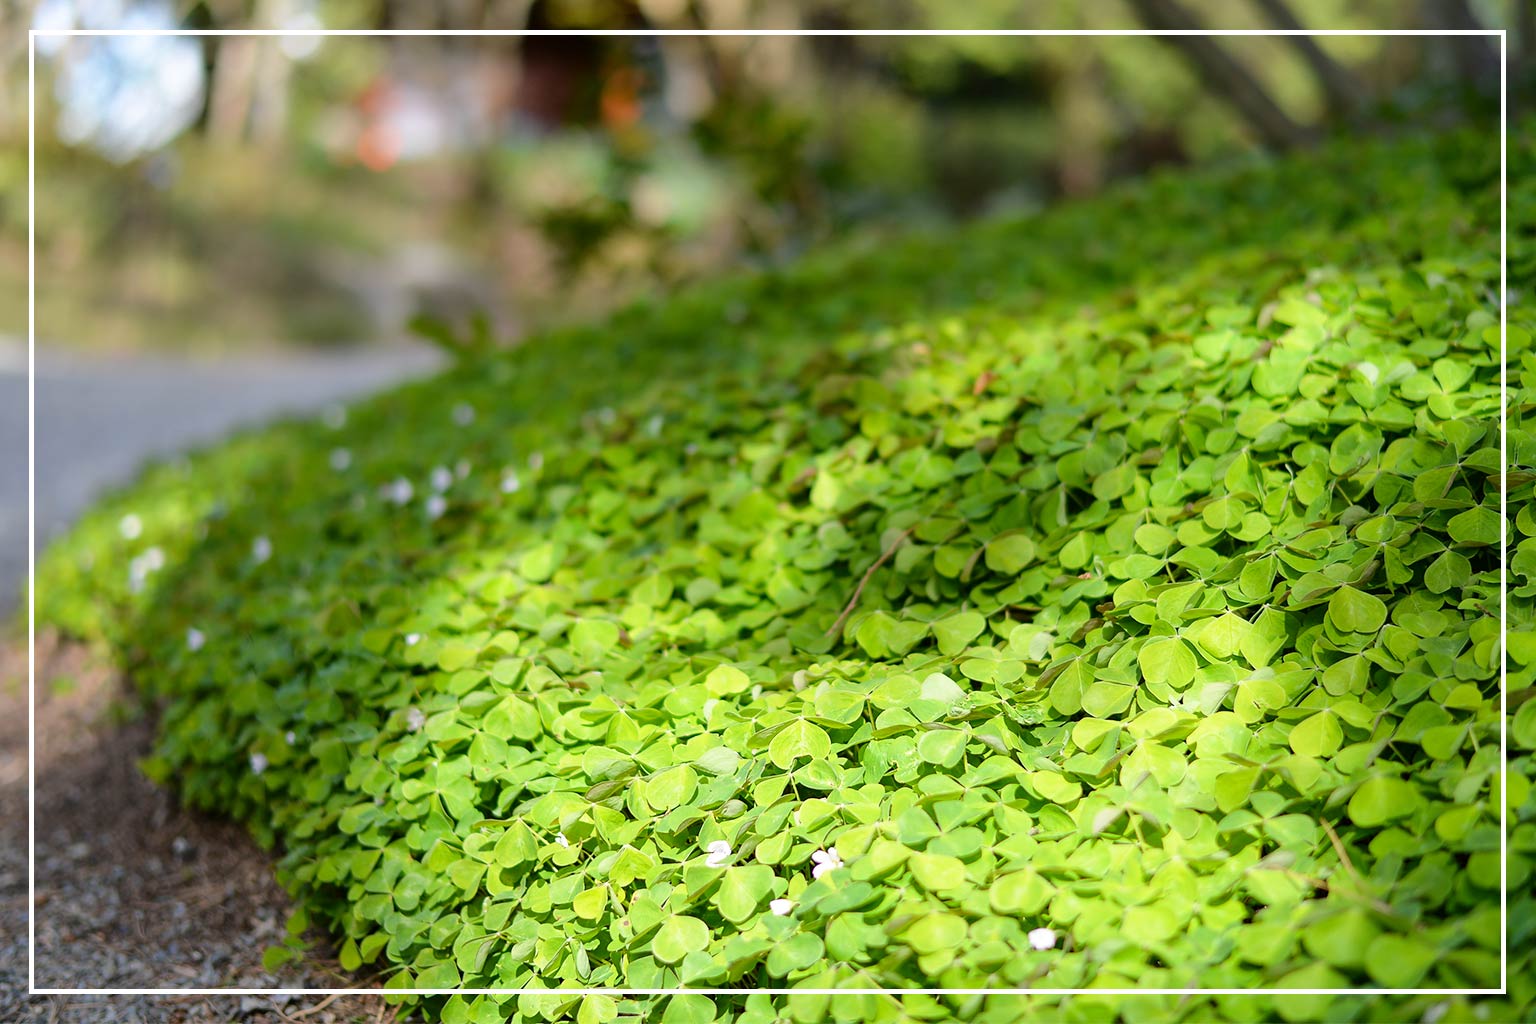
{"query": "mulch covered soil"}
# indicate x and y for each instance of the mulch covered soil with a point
(133, 891)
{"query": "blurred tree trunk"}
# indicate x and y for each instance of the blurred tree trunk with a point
(269, 114)
(1077, 101)
(1525, 29)
(233, 84)
(1476, 57)
(1223, 75)
(715, 71)
(274, 69)
(1343, 90)
(13, 54)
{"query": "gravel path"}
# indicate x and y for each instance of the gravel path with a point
(132, 890)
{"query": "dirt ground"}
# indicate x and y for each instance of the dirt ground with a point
(133, 891)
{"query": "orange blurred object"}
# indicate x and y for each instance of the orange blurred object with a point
(621, 97)
(375, 148)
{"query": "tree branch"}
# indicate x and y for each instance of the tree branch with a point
(853, 602)
(1223, 75)
(1342, 88)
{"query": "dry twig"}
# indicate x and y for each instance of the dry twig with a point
(853, 602)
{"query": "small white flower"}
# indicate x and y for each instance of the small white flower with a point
(436, 506)
(289, 737)
(141, 566)
(442, 478)
(463, 414)
(415, 718)
(412, 639)
(130, 527)
(536, 461)
(510, 484)
(560, 838)
(1042, 939)
(261, 550)
(335, 416)
(399, 491)
(341, 459)
(719, 854)
(195, 639)
(824, 861)
(781, 907)
(258, 763)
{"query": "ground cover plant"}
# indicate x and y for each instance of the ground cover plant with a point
(1107, 598)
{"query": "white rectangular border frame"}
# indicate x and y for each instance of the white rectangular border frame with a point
(31, 539)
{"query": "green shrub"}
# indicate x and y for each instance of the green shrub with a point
(1129, 572)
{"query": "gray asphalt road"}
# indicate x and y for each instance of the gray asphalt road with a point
(99, 418)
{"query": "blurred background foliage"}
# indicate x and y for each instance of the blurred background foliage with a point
(209, 192)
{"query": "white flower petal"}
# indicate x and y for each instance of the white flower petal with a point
(825, 860)
(195, 639)
(1042, 939)
(400, 491)
(130, 527)
(781, 907)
